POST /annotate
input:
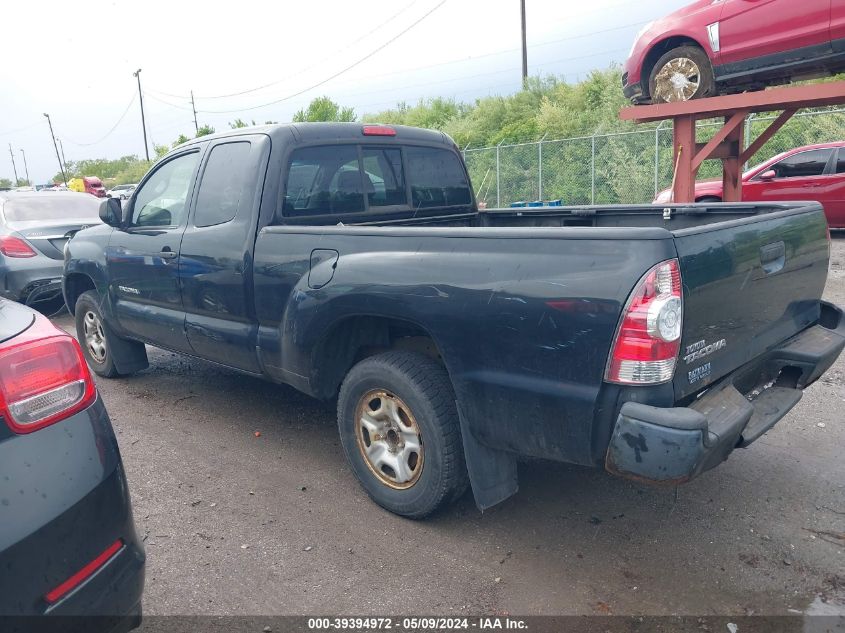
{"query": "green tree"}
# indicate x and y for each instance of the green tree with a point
(182, 139)
(23, 182)
(324, 109)
(205, 130)
(160, 150)
(5, 183)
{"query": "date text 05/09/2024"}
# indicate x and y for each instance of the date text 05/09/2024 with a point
(416, 624)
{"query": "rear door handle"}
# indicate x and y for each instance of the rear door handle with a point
(167, 254)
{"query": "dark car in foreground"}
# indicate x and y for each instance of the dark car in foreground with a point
(812, 172)
(34, 227)
(68, 545)
(352, 263)
(712, 47)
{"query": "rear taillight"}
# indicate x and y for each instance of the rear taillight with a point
(12, 246)
(648, 340)
(44, 378)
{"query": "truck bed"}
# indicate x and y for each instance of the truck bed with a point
(523, 303)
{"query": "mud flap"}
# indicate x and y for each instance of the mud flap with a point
(492, 473)
(128, 356)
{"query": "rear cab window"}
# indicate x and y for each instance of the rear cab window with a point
(330, 181)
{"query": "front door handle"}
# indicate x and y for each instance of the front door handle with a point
(166, 253)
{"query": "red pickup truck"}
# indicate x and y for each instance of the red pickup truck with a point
(712, 47)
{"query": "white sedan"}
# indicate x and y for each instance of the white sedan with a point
(121, 191)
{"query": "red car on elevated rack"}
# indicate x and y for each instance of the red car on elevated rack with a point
(813, 172)
(714, 47)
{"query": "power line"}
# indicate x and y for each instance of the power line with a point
(172, 105)
(307, 68)
(20, 129)
(109, 133)
(337, 74)
(548, 43)
(474, 75)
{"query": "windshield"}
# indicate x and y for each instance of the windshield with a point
(46, 207)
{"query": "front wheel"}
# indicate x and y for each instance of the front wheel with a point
(399, 429)
(108, 355)
(682, 74)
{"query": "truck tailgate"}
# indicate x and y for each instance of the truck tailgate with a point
(749, 284)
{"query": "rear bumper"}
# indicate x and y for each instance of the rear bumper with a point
(31, 280)
(60, 516)
(672, 446)
(634, 92)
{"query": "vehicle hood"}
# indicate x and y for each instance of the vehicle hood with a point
(14, 319)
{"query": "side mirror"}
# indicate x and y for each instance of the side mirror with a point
(769, 175)
(111, 212)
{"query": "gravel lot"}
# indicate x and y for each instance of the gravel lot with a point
(276, 524)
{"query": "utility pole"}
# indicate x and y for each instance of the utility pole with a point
(14, 167)
(524, 49)
(26, 168)
(194, 106)
(62, 150)
(137, 75)
(56, 147)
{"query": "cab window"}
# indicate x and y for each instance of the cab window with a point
(324, 180)
(162, 199)
(223, 184)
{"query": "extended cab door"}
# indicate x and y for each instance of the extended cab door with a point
(801, 176)
(215, 264)
(143, 258)
(758, 33)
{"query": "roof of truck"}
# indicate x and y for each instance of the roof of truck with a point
(331, 131)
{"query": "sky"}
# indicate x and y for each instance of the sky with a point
(265, 60)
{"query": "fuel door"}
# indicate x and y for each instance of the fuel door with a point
(323, 264)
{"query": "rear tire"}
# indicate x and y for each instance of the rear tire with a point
(682, 74)
(709, 199)
(399, 428)
(101, 347)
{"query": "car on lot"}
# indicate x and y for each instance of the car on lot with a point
(34, 228)
(68, 545)
(121, 191)
(351, 262)
(708, 48)
(812, 172)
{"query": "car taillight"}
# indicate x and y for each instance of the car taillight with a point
(648, 340)
(12, 246)
(45, 378)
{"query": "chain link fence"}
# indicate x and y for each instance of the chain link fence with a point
(623, 168)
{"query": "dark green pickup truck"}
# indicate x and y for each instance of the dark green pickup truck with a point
(352, 262)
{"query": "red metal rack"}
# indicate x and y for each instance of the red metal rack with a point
(727, 143)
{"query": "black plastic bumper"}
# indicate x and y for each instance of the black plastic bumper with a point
(672, 446)
(634, 92)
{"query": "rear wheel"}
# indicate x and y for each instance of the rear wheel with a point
(399, 429)
(682, 74)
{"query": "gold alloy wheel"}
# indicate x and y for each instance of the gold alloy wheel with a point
(678, 80)
(389, 439)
